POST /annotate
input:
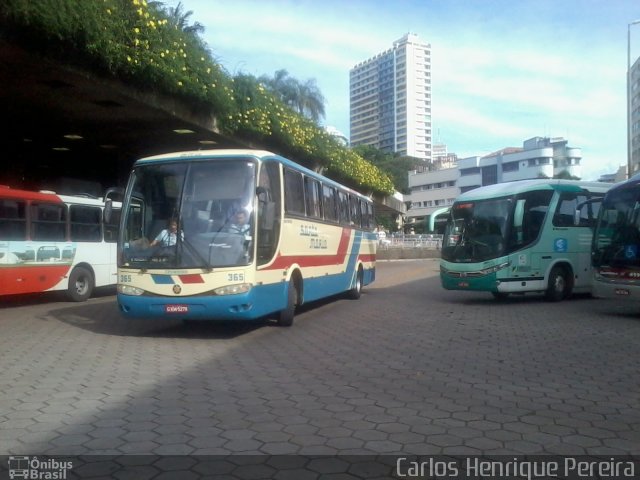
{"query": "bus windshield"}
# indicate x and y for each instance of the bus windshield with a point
(616, 241)
(476, 230)
(189, 215)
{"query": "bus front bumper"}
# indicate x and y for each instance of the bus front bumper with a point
(245, 306)
(464, 281)
(452, 277)
(617, 290)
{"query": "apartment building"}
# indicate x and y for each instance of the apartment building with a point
(390, 99)
(431, 191)
(539, 157)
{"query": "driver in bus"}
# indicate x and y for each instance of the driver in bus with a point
(240, 225)
(168, 236)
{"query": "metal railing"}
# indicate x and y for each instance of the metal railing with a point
(413, 240)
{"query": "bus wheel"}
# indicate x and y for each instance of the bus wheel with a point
(559, 286)
(500, 295)
(80, 284)
(285, 317)
(354, 293)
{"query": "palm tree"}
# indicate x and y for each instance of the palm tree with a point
(310, 100)
(284, 86)
(305, 98)
(180, 19)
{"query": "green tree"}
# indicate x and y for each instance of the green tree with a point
(394, 165)
(154, 48)
(305, 98)
(180, 19)
(565, 175)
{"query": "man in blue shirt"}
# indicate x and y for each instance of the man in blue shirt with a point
(167, 237)
(240, 225)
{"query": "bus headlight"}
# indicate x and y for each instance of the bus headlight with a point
(233, 289)
(129, 290)
(495, 268)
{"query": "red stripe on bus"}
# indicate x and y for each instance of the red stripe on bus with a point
(284, 261)
(30, 279)
(367, 258)
(29, 195)
(191, 278)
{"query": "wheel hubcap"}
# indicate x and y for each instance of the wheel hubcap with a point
(81, 286)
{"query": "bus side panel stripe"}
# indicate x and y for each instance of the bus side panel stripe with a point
(284, 261)
(353, 256)
(27, 279)
(367, 257)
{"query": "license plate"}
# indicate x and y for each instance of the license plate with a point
(463, 284)
(176, 308)
(622, 291)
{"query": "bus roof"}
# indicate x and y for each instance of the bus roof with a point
(258, 154)
(212, 153)
(632, 182)
(44, 196)
(49, 196)
(520, 186)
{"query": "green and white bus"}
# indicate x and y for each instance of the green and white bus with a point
(520, 237)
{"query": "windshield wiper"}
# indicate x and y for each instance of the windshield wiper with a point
(194, 251)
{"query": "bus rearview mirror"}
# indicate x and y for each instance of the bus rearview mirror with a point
(108, 210)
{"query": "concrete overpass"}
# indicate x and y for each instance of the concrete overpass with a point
(69, 130)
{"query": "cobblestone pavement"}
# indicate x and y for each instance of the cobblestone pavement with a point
(409, 369)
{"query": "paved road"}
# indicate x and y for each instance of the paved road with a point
(407, 369)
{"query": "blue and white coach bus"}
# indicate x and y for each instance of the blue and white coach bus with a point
(306, 237)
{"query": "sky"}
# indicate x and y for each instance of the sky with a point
(503, 71)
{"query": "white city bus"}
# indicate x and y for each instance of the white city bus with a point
(308, 238)
(522, 236)
(55, 242)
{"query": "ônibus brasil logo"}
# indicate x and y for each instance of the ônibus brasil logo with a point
(32, 468)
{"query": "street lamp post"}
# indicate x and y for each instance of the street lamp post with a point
(629, 150)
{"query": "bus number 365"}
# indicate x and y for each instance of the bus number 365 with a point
(125, 278)
(235, 277)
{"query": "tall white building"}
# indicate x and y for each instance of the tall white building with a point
(390, 99)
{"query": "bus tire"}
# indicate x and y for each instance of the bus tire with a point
(285, 317)
(81, 284)
(559, 285)
(354, 293)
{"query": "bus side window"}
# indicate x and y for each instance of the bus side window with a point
(48, 222)
(313, 197)
(13, 220)
(565, 211)
(343, 208)
(294, 192)
(354, 208)
(85, 223)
